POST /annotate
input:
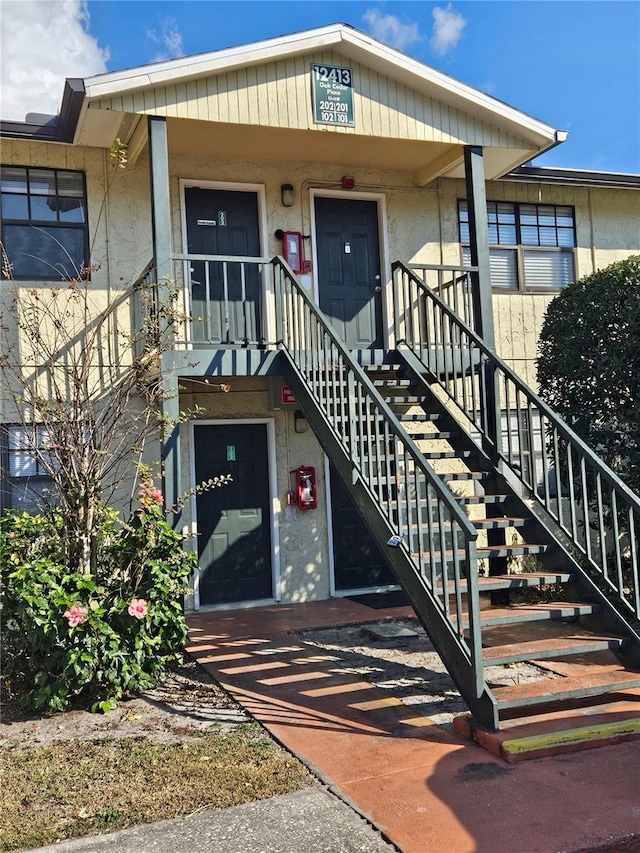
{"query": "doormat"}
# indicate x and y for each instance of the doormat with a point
(380, 600)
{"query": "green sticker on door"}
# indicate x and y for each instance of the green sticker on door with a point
(231, 453)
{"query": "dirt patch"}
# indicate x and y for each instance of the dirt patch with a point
(190, 702)
(186, 705)
(409, 667)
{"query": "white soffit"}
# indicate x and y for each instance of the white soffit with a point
(344, 39)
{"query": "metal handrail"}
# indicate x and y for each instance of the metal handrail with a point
(434, 533)
(453, 284)
(591, 505)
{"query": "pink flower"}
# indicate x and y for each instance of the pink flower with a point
(149, 494)
(75, 615)
(137, 608)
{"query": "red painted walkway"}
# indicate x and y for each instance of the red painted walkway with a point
(426, 788)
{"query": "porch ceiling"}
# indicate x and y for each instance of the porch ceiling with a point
(316, 146)
(423, 161)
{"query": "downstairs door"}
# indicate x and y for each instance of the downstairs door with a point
(357, 561)
(233, 521)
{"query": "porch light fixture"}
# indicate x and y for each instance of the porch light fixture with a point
(287, 195)
(299, 421)
(348, 182)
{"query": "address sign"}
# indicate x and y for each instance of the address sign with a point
(332, 95)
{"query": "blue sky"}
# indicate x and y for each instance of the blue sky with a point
(570, 63)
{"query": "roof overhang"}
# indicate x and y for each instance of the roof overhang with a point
(60, 128)
(573, 177)
(341, 37)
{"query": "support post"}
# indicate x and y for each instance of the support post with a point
(160, 204)
(163, 253)
(479, 243)
(483, 309)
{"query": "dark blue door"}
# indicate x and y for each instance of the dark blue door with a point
(234, 521)
(348, 249)
(225, 302)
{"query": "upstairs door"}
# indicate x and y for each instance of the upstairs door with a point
(234, 521)
(225, 299)
(349, 278)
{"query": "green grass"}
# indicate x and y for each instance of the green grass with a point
(77, 788)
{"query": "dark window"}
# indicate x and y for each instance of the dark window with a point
(531, 246)
(25, 484)
(44, 222)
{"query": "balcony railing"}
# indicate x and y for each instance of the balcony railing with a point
(226, 299)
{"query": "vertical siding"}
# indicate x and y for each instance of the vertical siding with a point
(278, 94)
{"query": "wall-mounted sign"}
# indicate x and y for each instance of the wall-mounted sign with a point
(332, 95)
(280, 395)
(286, 397)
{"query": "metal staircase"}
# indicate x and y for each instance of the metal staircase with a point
(494, 517)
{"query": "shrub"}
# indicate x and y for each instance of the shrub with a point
(589, 363)
(69, 637)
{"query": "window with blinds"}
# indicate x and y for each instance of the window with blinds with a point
(44, 222)
(531, 246)
(25, 484)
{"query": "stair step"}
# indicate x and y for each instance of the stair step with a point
(450, 454)
(523, 580)
(559, 731)
(535, 613)
(426, 416)
(553, 647)
(474, 500)
(502, 523)
(382, 368)
(437, 435)
(393, 383)
(404, 401)
(466, 475)
(564, 689)
(528, 580)
(479, 524)
(494, 551)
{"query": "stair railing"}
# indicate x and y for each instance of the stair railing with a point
(410, 510)
(594, 509)
(452, 284)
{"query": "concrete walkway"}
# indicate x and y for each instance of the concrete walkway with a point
(308, 821)
(424, 787)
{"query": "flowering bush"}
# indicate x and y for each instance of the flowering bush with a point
(69, 637)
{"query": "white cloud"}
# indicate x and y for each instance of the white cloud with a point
(44, 42)
(447, 29)
(391, 30)
(170, 40)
